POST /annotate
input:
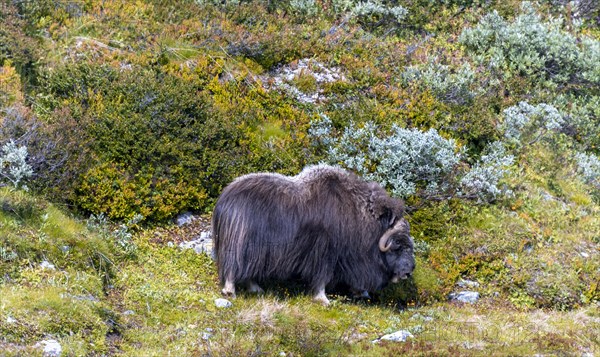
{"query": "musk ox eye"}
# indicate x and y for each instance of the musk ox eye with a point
(398, 241)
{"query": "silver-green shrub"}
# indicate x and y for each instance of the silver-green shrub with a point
(526, 124)
(363, 10)
(379, 9)
(13, 165)
(530, 47)
(412, 162)
(589, 167)
(483, 180)
(304, 7)
(453, 87)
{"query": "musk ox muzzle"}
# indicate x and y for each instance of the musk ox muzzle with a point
(325, 226)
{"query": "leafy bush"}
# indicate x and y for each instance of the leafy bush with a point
(582, 119)
(525, 124)
(156, 148)
(13, 165)
(410, 162)
(57, 152)
(589, 166)
(16, 44)
(452, 88)
(535, 49)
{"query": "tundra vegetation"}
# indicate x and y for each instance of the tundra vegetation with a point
(116, 116)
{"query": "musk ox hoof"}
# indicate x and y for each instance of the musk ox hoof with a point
(227, 293)
(253, 288)
(228, 289)
(321, 298)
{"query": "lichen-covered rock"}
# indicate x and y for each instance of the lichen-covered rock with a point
(51, 348)
(398, 336)
(204, 244)
(465, 296)
(223, 303)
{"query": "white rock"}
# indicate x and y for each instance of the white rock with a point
(51, 348)
(47, 265)
(465, 296)
(184, 218)
(398, 336)
(223, 303)
(10, 320)
(207, 334)
(204, 244)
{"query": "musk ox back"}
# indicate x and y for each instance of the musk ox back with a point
(325, 226)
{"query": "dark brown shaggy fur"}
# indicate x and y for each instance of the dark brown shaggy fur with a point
(322, 226)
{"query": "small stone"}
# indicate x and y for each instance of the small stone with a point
(184, 218)
(223, 303)
(465, 296)
(51, 348)
(47, 265)
(10, 320)
(398, 336)
(208, 333)
(128, 312)
(203, 244)
(584, 254)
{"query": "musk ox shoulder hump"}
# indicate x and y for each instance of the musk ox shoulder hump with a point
(317, 172)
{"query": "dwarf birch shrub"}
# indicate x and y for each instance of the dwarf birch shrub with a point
(582, 116)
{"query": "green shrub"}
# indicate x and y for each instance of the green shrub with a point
(156, 146)
(109, 189)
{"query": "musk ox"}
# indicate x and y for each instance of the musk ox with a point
(325, 226)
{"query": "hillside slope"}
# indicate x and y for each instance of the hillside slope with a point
(483, 116)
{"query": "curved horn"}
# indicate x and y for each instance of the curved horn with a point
(384, 246)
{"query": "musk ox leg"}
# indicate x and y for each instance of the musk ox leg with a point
(320, 296)
(253, 287)
(229, 288)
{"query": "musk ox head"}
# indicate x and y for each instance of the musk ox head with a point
(398, 249)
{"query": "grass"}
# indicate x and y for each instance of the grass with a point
(160, 299)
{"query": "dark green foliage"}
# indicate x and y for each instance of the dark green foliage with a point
(159, 148)
(16, 44)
